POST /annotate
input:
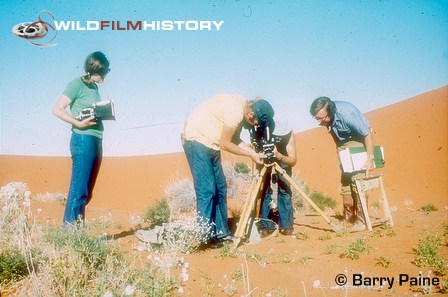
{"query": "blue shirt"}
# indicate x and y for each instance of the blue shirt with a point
(348, 123)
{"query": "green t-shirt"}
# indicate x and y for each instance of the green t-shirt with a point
(83, 96)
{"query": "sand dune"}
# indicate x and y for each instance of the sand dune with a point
(413, 133)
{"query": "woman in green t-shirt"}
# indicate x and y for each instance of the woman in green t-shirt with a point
(87, 134)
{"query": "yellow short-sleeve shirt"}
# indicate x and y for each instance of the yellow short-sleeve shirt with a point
(206, 122)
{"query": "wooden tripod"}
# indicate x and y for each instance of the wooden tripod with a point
(255, 192)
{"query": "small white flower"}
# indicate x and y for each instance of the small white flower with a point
(108, 294)
(129, 290)
(316, 284)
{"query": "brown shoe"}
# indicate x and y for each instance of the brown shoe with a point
(287, 231)
(265, 232)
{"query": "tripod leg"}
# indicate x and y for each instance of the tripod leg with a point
(245, 209)
(248, 207)
(282, 172)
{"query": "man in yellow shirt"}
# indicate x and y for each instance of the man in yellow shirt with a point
(216, 124)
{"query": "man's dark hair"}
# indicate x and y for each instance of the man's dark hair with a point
(322, 102)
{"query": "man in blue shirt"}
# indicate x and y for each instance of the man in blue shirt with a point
(349, 128)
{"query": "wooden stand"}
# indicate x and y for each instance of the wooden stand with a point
(364, 184)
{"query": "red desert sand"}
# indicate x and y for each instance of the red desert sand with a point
(413, 133)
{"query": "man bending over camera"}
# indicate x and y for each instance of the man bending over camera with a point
(214, 125)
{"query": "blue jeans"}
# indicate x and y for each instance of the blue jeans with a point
(210, 187)
(284, 204)
(87, 152)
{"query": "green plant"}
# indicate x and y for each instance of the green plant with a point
(354, 250)
(384, 230)
(382, 261)
(158, 214)
(322, 201)
(331, 249)
(152, 281)
(282, 258)
(253, 256)
(237, 275)
(227, 251)
(92, 250)
(186, 234)
(304, 259)
(325, 236)
(241, 168)
(229, 288)
(302, 236)
(50, 261)
(13, 266)
(443, 286)
(427, 254)
(428, 208)
(206, 285)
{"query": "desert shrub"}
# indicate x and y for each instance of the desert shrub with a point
(354, 250)
(241, 168)
(20, 255)
(80, 264)
(181, 195)
(38, 261)
(158, 214)
(427, 254)
(227, 251)
(185, 234)
(52, 197)
(152, 281)
(237, 181)
(13, 266)
(297, 199)
(443, 286)
(92, 250)
(325, 236)
(428, 208)
(322, 201)
(386, 229)
(14, 209)
(280, 258)
(331, 249)
(302, 235)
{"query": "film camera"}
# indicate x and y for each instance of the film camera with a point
(102, 110)
(263, 141)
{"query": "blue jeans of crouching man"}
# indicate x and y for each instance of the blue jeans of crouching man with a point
(210, 187)
(87, 152)
(284, 205)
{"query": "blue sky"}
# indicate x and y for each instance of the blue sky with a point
(371, 53)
